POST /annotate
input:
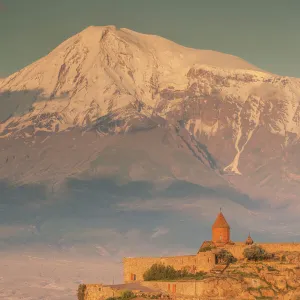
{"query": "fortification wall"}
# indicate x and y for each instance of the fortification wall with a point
(187, 288)
(134, 268)
(238, 248)
(102, 292)
(99, 291)
(199, 289)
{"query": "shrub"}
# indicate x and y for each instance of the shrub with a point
(162, 272)
(245, 274)
(199, 275)
(81, 291)
(283, 258)
(226, 257)
(127, 295)
(259, 269)
(271, 268)
(256, 253)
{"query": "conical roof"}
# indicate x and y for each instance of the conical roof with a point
(220, 222)
(249, 240)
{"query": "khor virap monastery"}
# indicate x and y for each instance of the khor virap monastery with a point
(134, 268)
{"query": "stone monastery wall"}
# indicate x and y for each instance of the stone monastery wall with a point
(99, 291)
(134, 268)
(238, 248)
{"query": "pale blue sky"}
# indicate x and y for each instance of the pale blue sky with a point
(265, 33)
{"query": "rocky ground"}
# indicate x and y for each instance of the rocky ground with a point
(257, 281)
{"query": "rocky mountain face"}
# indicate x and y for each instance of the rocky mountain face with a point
(171, 112)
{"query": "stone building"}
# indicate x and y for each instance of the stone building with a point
(205, 259)
(220, 231)
(220, 234)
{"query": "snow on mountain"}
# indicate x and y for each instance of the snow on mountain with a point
(99, 70)
(118, 81)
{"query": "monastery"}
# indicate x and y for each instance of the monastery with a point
(203, 260)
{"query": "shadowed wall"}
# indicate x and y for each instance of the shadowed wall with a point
(134, 268)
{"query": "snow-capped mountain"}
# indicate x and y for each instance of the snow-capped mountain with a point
(227, 114)
(103, 69)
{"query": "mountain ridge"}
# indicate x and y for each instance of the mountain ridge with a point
(115, 82)
(113, 28)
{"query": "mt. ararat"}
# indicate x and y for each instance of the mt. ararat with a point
(135, 107)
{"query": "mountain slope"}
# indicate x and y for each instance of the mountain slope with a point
(110, 81)
(102, 69)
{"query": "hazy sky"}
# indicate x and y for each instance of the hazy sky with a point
(263, 32)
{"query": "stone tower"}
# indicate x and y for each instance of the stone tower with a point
(220, 231)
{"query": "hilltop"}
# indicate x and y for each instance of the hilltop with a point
(243, 280)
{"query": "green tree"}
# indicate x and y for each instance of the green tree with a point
(224, 256)
(256, 253)
(160, 272)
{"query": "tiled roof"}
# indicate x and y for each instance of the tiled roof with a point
(206, 244)
(249, 240)
(220, 222)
